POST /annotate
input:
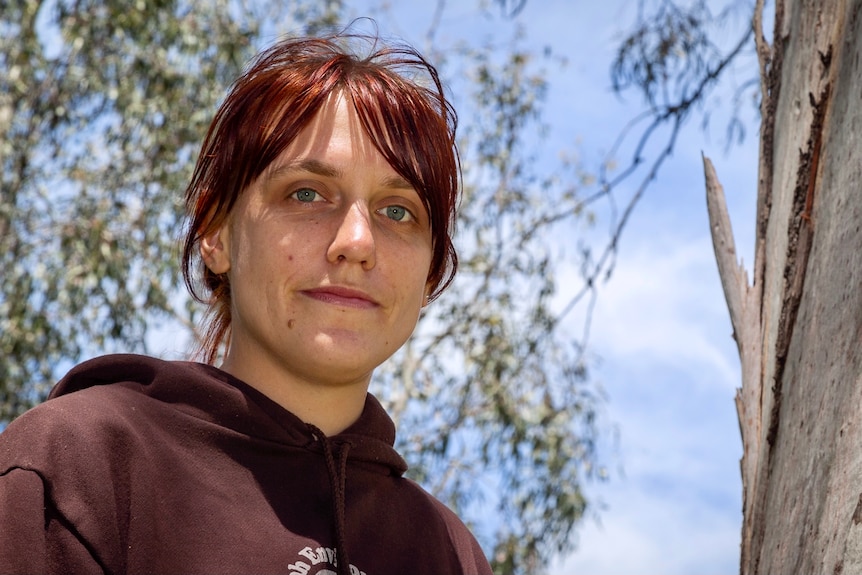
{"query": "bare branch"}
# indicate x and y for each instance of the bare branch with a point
(431, 33)
(734, 280)
(674, 114)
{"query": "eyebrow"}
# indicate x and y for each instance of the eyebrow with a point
(330, 171)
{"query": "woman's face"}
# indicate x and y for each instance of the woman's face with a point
(327, 254)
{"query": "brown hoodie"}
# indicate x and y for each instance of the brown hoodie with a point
(138, 465)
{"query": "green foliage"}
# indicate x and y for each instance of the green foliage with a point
(674, 52)
(102, 109)
(102, 106)
(668, 49)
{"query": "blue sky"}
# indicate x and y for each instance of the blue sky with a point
(661, 332)
(661, 337)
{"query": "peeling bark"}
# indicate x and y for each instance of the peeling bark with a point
(799, 230)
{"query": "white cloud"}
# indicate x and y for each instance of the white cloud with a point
(663, 302)
(656, 535)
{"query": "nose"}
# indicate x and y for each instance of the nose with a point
(354, 239)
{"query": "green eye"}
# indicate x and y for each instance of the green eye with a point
(397, 213)
(305, 195)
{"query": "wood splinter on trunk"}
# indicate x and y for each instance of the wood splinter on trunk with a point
(743, 302)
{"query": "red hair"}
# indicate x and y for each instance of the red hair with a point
(399, 100)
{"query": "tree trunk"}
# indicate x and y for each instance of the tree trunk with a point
(799, 325)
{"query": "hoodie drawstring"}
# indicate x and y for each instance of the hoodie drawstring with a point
(337, 477)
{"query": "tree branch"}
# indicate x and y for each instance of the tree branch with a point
(743, 302)
(734, 279)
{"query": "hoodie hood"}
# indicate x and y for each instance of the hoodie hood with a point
(215, 396)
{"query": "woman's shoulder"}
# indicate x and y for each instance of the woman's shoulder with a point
(134, 403)
(470, 555)
(81, 423)
(85, 414)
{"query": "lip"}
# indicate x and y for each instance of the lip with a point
(342, 296)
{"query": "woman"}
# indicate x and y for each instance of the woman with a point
(321, 211)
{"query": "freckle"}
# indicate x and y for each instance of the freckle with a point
(290, 324)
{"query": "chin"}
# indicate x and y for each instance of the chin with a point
(350, 356)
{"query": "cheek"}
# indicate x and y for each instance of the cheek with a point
(419, 287)
(260, 261)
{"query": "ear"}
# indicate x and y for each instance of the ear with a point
(215, 250)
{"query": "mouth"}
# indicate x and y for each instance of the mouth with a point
(342, 297)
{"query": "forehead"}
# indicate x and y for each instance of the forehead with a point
(334, 129)
(333, 144)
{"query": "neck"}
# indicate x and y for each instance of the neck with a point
(331, 407)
